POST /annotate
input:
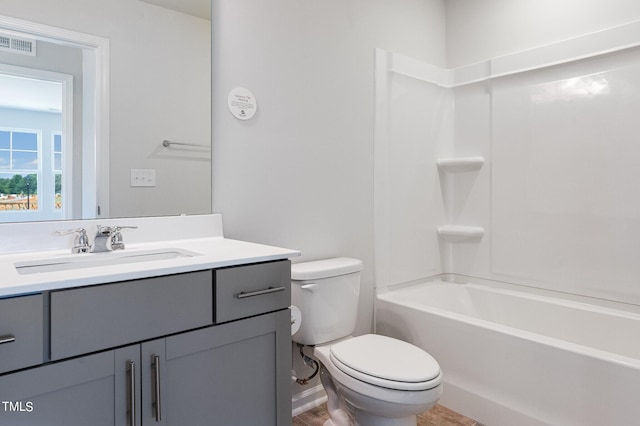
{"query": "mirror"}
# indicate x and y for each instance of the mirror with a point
(127, 76)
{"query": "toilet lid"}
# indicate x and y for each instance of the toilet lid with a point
(387, 362)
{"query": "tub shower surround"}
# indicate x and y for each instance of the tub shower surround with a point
(521, 174)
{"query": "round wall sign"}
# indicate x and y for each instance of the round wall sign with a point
(242, 103)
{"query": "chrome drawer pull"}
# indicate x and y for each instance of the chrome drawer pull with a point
(243, 295)
(7, 339)
(131, 372)
(157, 396)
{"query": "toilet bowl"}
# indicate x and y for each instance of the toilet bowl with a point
(389, 386)
(370, 380)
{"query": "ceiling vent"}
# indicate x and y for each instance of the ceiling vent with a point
(21, 45)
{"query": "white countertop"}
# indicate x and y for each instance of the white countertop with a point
(209, 253)
(211, 250)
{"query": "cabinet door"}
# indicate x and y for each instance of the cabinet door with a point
(232, 374)
(81, 392)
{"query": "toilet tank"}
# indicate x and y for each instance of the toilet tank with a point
(326, 292)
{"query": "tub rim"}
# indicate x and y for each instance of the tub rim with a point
(600, 354)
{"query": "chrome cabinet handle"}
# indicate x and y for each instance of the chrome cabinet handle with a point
(7, 339)
(131, 371)
(243, 295)
(157, 397)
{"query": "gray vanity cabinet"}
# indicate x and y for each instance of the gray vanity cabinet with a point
(219, 355)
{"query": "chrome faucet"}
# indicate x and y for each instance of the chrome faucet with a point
(101, 241)
(81, 242)
(109, 238)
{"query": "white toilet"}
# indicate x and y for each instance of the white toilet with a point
(370, 380)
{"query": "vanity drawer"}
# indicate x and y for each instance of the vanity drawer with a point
(88, 319)
(21, 332)
(244, 291)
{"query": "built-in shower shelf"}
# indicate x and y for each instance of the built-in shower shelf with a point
(460, 164)
(460, 233)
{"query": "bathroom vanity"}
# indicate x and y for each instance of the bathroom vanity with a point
(200, 340)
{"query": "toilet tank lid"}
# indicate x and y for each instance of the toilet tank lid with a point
(325, 268)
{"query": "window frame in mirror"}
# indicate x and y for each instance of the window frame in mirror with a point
(95, 108)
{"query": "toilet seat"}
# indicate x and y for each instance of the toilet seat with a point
(386, 362)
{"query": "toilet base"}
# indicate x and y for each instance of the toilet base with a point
(338, 415)
(365, 420)
(345, 407)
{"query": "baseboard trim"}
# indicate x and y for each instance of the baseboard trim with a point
(307, 399)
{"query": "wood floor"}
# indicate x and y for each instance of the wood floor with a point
(437, 416)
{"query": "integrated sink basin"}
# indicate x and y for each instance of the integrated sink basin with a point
(91, 260)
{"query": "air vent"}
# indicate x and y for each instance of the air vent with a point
(5, 42)
(21, 45)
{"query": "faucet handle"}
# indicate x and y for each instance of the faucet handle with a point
(119, 228)
(81, 242)
(61, 232)
(117, 242)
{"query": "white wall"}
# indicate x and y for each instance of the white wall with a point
(300, 173)
(159, 89)
(482, 29)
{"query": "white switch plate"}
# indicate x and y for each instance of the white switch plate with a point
(143, 177)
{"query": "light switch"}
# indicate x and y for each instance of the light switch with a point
(143, 177)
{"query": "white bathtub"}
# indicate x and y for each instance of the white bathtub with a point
(513, 358)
